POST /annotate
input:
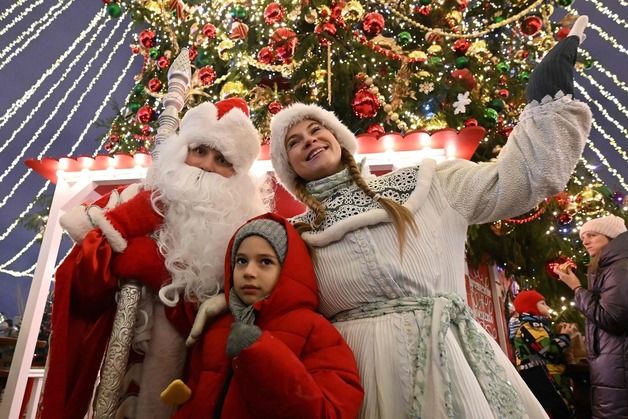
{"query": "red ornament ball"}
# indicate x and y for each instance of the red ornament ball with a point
(323, 29)
(465, 77)
(147, 38)
(274, 13)
(365, 104)
(565, 218)
(373, 23)
(135, 49)
(562, 199)
(114, 138)
(284, 42)
(461, 46)
(145, 114)
(562, 33)
(192, 53)
(274, 107)
(471, 122)
(209, 30)
(376, 130)
(266, 55)
(503, 93)
(554, 263)
(207, 75)
(146, 129)
(154, 85)
(163, 62)
(531, 25)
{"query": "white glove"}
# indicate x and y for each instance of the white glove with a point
(210, 308)
(578, 28)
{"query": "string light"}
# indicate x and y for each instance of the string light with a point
(20, 253)
(38, 31)
(16, 4)
(29, 93)
(64, 99)
(607, 94)
(19, 17)
(607, 12)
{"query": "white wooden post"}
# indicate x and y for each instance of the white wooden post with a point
(72, 189)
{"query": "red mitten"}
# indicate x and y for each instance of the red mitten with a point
(142, 261)
(133, 218)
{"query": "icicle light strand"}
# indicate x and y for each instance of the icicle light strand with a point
(15, 5)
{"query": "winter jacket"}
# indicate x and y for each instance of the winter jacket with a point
(605, 306)
(300, 367)
(536, 345)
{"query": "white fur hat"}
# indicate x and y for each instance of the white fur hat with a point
(610, 226)
(224, 126)
(288, 117)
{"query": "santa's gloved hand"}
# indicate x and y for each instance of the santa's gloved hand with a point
(241, 337)
(556, 70)
(210, 308)
(141, 260)
(133, 218)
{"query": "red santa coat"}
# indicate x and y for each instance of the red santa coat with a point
(300, 367)
(83, 310)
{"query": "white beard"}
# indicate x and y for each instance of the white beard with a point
(202, 210)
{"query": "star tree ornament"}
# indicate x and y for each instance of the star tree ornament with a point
(460, 105)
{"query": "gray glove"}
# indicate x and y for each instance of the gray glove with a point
(241, 337)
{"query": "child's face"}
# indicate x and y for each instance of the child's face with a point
(543, 308)
(256, 269)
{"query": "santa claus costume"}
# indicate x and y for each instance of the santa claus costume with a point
(169, 233)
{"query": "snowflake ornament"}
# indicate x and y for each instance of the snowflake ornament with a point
(460, 106)
(426, 87)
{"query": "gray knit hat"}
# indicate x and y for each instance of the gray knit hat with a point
(610, 226)
(272, 231)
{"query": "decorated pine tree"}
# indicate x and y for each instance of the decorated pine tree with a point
(399, 66)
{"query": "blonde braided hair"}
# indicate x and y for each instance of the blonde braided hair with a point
(401, 216)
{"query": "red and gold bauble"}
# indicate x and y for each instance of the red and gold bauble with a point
(565, 218)
(274, 107)
(373, 23)
(145, 114)
(562, 33)
(284, 42)
(135, 49)
(273, 13)
(503, 93)
(365, 104)
(209, 30)
(555, 263)
(562, 199)
(266, 55)
(531, 25)
(154, 85)
(147, 38)
(323, 29)
(376, 130)
(461, 45)
(207, 75)
(146, 129)
(192, 53)
(239, 30)
(163, 62)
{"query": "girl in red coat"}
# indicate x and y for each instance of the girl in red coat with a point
(273, 355)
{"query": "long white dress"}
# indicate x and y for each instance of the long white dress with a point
(405, 316)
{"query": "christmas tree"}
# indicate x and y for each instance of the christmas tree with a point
(381, 67)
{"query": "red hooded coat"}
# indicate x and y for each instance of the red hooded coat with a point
(300, 367)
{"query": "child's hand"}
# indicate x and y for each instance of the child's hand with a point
(241, 337)
(210, 308)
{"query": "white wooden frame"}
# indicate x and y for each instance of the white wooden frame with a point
(73, 188)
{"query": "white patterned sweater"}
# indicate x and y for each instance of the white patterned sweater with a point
(358, 263)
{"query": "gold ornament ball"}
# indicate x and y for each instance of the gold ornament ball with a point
(418, 55)
(353, 11)
(368, 81)
(454, 17)
(590, 201)
(477, 48)
(311, 16)
(394, 117)
(374, 90)
(434, 49)
(231, 88)
(319, 76)
(387, 108)
(223, 49)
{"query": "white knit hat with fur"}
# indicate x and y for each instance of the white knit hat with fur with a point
(286, 119)
(610, 226)
(224, 126)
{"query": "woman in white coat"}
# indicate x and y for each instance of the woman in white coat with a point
(389, 250)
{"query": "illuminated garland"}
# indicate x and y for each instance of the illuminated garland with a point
(477, 34)
(16, 4)
(540, 210)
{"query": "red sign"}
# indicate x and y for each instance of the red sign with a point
(480, 296)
